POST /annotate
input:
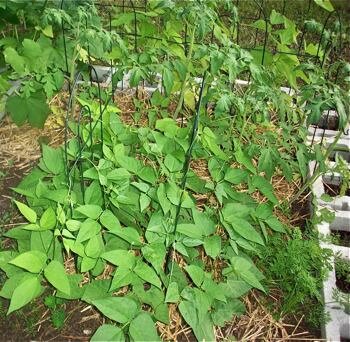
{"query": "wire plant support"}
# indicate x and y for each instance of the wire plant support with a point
(134, 8)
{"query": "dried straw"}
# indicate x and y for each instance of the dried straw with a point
(20, 146)
(259, 324)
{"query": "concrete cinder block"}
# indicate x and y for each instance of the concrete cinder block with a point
(315, 131)
(123, 83)
(341, 221)
(337, 203)
(339, 153)
(241, 84)
(326, 130)
(338, 327)
(148, 87)
(319, 188)
(101, 73)
(329, 119)
(326, 133)
(343, 142)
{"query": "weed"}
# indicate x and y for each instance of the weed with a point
(298, 266)
(3, 175)
(342, 268)
(341, 294)
(57, 312)
(58, 317)
(2, 305)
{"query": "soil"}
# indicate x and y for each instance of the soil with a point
(331, 123)
(342, 280)
(344, 339)
(301, 212)
(341, 238)
(33, 322)
(333, 190)
(12, 177)
(342, 284)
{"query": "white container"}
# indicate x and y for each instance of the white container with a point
(101, 74)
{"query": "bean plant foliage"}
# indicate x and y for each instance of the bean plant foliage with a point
(129, 225)
(125, 219)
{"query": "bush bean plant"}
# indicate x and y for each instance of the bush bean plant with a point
(163, 215)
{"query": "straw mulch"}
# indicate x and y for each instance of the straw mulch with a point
(177, 330)
(124, 100)
(259, 324)
(21, 146)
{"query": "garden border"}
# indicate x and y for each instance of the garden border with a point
(338, 326)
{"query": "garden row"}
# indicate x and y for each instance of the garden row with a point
(180, 206)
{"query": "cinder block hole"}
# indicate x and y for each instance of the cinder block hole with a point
(340, 237)
(342, 274)
(332, 185)
(329, 120)
(344, 154)
(152, 81)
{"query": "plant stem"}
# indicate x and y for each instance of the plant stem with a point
(318, 171)
(71, 80)
(184, 82)
(16, 33)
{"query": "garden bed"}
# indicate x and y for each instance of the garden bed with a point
(289, 326)
(286, 327)
(173, 203)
